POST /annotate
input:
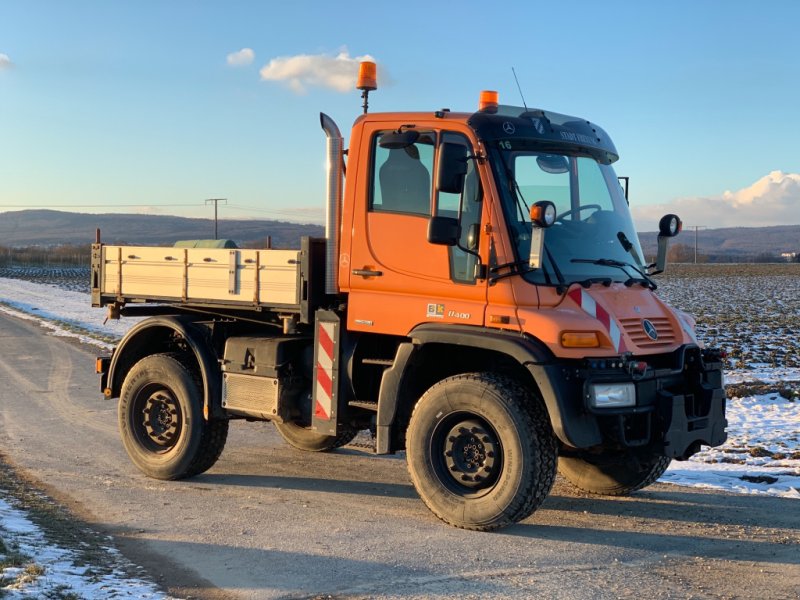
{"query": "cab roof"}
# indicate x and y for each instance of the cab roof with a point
(543, 128)
(523, 128)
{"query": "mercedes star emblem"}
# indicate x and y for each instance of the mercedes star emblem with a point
(650, 329)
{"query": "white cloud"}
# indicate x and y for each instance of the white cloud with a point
(338, 73)
(242, 58)
(5, 62)
(772, 200)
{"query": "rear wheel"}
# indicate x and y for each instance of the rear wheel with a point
(615, 474)
(305, 438)
(160, 415)
(480, 450)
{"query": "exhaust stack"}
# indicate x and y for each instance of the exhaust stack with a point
(333, 209)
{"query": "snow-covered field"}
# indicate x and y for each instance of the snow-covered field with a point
(753, 313)
(755, 317)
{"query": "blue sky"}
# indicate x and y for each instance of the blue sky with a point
(132, 106)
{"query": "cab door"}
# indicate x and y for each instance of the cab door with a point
(397, 278)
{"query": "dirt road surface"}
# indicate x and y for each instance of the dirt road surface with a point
(272, 522)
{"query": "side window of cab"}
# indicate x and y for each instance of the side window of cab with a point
(401, 177)
(466, 207)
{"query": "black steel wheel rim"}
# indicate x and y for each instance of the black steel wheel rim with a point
(157, 418)
(467, 454)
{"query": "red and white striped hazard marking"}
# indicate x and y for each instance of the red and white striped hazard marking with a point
(587, 303)
(324, 391)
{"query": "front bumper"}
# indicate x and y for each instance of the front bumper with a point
(680, 403)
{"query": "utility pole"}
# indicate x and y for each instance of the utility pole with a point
(216, 201)
(696, 227)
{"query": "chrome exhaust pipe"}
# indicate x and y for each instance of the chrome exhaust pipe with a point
(333, 209)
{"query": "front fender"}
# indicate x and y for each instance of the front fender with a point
(552, 379)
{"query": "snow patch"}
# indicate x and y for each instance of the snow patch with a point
(49, 569)
(761, 455)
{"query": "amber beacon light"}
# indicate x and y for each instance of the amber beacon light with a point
(489, 99)
(367, 76)
(367, 81)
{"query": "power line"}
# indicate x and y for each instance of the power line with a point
(106, 205)
(288, 212)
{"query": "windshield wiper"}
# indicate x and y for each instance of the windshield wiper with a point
(624, 266)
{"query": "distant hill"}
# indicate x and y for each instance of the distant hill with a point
(732, 243)
(50, 227)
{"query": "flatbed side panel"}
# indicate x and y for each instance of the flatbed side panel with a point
(197, 275)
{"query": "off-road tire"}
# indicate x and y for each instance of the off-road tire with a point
(480, 450)
(160, 416)
(612, 475)
(304, 438)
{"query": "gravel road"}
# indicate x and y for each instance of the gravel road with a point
(271, 522)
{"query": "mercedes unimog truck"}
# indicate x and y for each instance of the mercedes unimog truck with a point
(480, 301)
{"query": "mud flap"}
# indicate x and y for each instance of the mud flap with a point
(326, 372)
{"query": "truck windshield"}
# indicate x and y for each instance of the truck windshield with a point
(593, 226)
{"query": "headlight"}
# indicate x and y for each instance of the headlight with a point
(612, 395)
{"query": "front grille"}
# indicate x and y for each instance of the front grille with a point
(635, 330)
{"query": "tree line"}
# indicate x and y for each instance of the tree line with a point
(685, 253)
(65, 255)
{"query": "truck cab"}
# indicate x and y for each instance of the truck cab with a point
(588, 306)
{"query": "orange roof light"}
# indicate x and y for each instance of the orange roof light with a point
(367, 76)
(488, 99)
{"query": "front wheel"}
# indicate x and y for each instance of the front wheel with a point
(614, 474)
(161, 422)
(480, 450)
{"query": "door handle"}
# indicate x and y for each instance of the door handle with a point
(367, 273)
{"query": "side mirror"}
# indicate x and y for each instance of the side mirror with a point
(444, 231)
(473, 234)
(452, 168)
(668, 227)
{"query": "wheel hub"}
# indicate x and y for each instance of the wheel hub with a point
(161, 418)
(471, 451)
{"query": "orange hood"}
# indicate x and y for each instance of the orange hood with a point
(626, 319)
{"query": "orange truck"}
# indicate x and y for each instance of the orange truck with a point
(480, 301)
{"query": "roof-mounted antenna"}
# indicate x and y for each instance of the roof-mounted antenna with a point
(519, 88)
